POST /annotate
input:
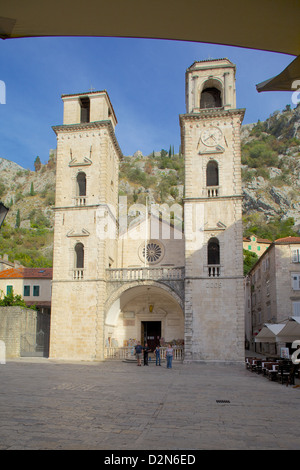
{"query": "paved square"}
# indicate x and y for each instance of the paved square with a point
(119, 406)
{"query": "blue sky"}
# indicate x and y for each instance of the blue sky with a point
(145, 79)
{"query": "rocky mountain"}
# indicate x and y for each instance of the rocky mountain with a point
(271, 166)
(31, 193)
(27, 234)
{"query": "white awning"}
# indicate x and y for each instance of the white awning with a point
(291, 331)
(268, 334)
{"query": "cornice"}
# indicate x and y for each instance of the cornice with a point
(81, 126)
(205, 114)
(86, 126)
(238, 197)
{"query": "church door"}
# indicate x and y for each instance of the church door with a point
(151, 333)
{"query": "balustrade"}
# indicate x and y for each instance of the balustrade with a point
(213, 191)
(80, 201)
(214, 270)
(128, 353)
(145, 273)
(78, 274)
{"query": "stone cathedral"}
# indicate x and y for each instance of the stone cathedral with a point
(116, 281)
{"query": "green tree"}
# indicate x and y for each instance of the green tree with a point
(272, 230)
(18, 219)
(2, 189)
(32, 193)
(37, 163)
(250, 259)
(10, 300)
(51, 165)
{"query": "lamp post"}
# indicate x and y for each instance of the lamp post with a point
(3, 212)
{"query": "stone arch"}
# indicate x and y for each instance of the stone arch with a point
(113, 299)
(137, 308)
(211, 94)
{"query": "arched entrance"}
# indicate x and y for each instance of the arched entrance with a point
(147, 313)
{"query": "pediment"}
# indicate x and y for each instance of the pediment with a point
(83, 233)
(219, 226)
(217, 149)
(86, 162)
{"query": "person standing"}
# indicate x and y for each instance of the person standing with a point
(146, 351)
(138, 352)
(169, 356)
(157, 355)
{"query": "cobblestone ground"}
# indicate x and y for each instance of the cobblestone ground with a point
(119, 406)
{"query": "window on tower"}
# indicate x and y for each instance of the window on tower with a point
(85, 109)
(213, 257)
(81, 184)
(210, 98)
(213, 251)
(78, 261)
(212, 174)
(79, 256)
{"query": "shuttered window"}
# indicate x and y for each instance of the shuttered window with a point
(296, 281)
(296, 309)
(296, 256)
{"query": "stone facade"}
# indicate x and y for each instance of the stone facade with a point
(214, 328)
(116, 281)
(273, 293)
(16, 322)
(86, 189)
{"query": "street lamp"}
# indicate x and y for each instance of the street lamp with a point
(3, 211)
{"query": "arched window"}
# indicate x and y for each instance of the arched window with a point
(213, 251)
(81, 184)
(79, 256)
(210, 98)
(212, 174)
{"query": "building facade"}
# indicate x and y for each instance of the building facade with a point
(273, 290)
(32, 284)
(26, 332)
(256, 245)
(117, 280)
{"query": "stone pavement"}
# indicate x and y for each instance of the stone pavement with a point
(47, 404)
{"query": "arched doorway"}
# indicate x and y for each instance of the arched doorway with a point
(146, 313)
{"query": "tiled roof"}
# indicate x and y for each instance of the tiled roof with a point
(258, 240)
(263, 240)
(288, 240)
(26, 273)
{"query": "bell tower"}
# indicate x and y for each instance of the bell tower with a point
(86, 195)
(210, 142)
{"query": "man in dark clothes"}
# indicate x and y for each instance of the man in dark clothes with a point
(146, 351)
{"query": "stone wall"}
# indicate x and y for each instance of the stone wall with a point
(15, 322)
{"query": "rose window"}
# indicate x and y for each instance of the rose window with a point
(154, 252)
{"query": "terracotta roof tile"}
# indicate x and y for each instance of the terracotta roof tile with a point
(288, 240)
(26, 273)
